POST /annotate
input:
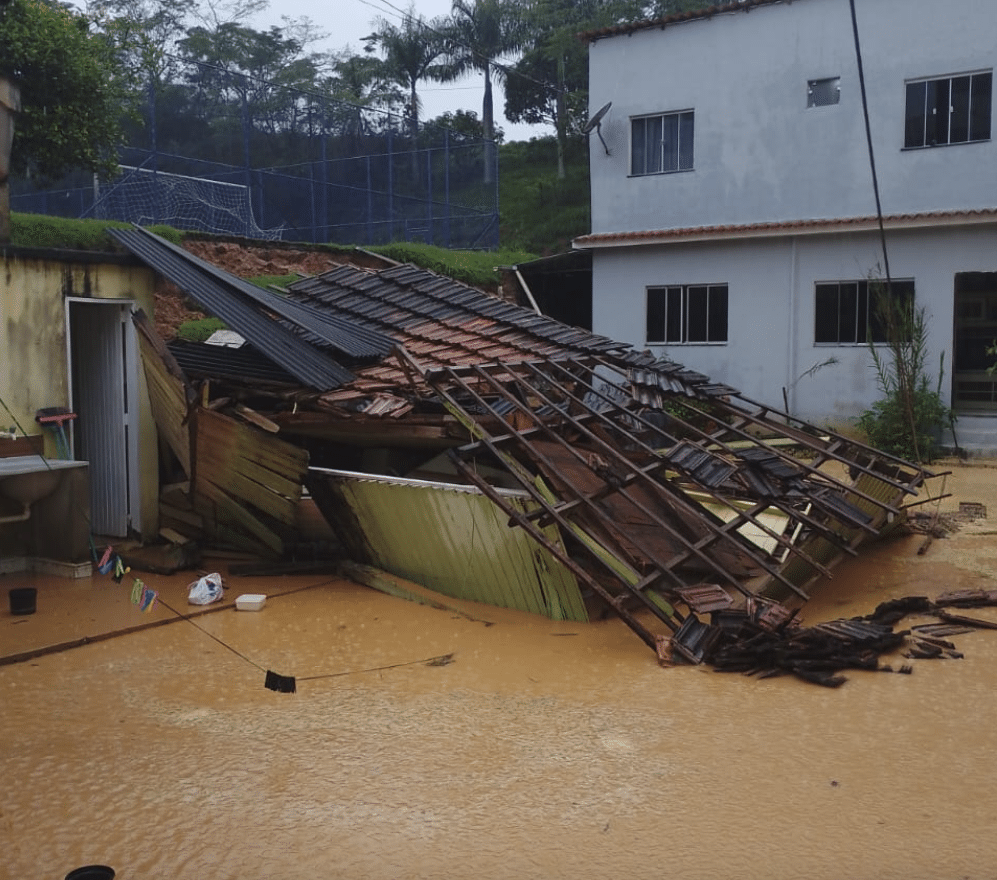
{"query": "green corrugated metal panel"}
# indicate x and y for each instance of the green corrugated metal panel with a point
(454, 540)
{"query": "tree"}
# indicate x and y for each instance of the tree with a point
(479, 34)
(145, 33)
(908, 420)
(73, 90)
(549, 83)
(363, 80)
(664, 8)
(249, 80)
(466, 124)
(410, 55)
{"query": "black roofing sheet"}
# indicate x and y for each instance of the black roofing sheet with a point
(199, 359)
(220, 294)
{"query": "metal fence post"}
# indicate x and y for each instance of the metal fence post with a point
(154, 147)
(391, 186)
(245, 148)
(446, 186)
(370, 204)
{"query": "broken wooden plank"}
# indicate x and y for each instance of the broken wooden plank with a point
(173, 537)
(255, 418)
(962, 619)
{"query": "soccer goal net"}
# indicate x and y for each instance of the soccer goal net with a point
(144, 196)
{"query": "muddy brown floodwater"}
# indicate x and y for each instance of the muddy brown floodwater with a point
(544, 750)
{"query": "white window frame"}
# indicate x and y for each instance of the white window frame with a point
(862, 319)
(652, 151)
(957, 125)
(676, 321)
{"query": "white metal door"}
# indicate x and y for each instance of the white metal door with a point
(101, 351)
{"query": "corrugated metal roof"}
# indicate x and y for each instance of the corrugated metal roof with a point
(198, 359)
(330, 329)
(221, 295)
(454, 540)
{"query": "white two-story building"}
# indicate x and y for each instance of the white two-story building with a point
(734, 217)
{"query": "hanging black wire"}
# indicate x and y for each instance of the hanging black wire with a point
(872, 155)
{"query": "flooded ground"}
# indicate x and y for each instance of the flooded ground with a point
(542, 750)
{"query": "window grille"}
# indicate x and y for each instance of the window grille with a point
(823, 92)
(845, 312)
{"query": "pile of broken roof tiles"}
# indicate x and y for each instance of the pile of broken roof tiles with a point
(763, 640)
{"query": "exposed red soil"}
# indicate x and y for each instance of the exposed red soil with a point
(247, 260)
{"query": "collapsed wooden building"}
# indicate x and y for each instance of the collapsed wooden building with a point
(491, 453)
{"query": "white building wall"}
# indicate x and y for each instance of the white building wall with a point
(760, 154)
(771, 308)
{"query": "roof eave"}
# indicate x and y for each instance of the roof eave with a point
(732, 232)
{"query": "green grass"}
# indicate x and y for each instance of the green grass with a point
(42, 231)
(200, 330)
(476, 268)
(271, 281)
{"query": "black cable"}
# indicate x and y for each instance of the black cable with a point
(441, 660)
(872, 156)
(209, 635)
(286, 683)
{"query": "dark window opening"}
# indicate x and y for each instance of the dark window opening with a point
(823, 92)
(974, 387)
(659, 144)
(696, 313)
(846, 313)
(951, 110)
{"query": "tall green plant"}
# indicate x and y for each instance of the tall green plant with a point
(478, 34)
(908, 420)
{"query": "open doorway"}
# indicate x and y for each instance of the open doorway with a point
(975, 330)
(103, 367)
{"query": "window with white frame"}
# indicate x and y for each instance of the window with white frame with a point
(845, 312)
(948, 110)
(661, 143)
(687, 314)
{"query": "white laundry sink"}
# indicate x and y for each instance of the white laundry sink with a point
(29, 478)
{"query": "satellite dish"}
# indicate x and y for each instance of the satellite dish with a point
(596, 120)
(596, 123)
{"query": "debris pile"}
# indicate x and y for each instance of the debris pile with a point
(762, 640)
(626, 480)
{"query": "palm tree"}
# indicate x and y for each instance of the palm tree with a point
(479, 33)
(410, 52)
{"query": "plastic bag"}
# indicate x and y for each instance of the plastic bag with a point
(206, 590)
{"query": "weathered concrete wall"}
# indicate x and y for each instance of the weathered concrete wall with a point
(35, 287)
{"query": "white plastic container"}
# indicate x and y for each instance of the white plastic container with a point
(250, 601)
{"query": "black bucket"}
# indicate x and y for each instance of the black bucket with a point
(91, 872)
(22, 600)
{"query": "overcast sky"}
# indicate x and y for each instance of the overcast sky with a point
(347, 21)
